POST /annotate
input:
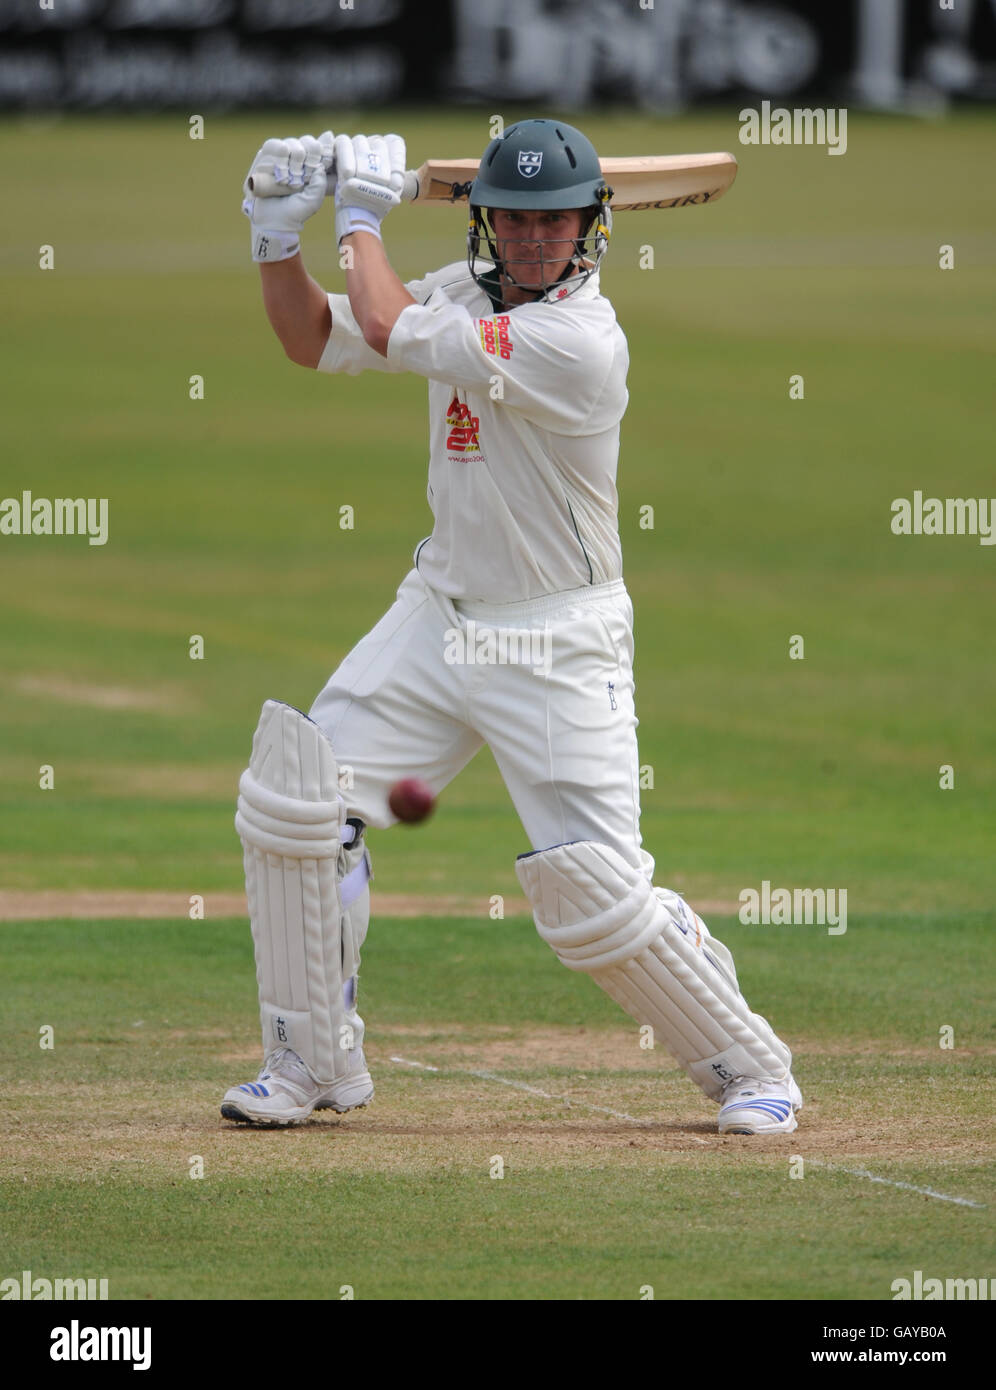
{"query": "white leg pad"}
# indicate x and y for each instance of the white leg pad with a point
(655, 957)
(307, 892)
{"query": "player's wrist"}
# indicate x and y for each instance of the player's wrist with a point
(350, 219)
(269, 247)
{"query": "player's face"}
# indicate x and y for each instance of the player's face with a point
(535, 247)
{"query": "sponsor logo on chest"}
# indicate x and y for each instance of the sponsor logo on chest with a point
(463, 437)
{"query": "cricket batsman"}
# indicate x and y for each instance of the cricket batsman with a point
(526, 370)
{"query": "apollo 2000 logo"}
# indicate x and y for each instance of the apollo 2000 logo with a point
(495, 338)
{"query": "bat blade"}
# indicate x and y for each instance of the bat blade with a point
(642, 182)
(639, 182)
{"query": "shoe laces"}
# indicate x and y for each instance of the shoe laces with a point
(742, 1083)
(752, 1083)
(283, 1061)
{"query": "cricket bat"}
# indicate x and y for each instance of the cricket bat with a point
(638, 181)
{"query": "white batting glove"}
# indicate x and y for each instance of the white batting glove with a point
(370, 174)
(300, 166)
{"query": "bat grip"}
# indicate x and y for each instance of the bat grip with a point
(264, 185)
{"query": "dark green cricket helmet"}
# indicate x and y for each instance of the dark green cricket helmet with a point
(538, 164)
(547, 166)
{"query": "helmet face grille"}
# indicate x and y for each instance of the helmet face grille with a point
(564, 262)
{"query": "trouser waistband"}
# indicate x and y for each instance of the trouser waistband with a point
(516, 614)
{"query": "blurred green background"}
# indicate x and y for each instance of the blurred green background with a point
(772, 516)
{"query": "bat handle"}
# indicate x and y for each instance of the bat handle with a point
(264, 185)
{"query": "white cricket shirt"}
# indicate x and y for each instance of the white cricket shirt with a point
(524, 412)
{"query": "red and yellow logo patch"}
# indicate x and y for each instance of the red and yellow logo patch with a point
(495, 336)
(463, 436)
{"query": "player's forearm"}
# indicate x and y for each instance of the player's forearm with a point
(298, 310)
(376, 295)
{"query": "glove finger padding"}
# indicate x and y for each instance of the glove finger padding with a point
(345, 159)
(361, 156)
(295, 163)
(270, 156)
(396, 156)
(289, 163)
(326, 143)
(313, 157)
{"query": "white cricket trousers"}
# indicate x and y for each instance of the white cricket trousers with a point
(546, 684)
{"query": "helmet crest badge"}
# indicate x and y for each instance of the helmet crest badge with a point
(530, 162)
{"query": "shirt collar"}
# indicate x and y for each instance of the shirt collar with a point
(556, 294)
(569, 289)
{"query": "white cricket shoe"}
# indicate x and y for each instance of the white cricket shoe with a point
(748, 1106)
(285, 1092)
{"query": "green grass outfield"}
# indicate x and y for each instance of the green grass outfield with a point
(103, 1130)
(771, 519)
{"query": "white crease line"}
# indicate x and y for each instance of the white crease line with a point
(406, 1063)
(566, 1100)
(891, 1182)
(621, 1115)
(535, 1091)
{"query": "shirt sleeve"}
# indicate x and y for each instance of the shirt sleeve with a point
(346, 349)
(552, 363)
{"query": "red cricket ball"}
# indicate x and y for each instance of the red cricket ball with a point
(411, 800)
